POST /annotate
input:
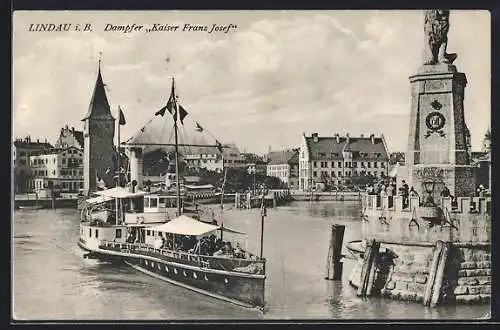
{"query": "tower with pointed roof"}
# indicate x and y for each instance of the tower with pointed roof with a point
(99, 151)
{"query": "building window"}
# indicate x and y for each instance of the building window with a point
(374, 164)
(314, 164)
(382, 165)
(148, 232)
(118, 233)
(340, 173)
(314, 174)
(54, 172)
(96, 233)
(369, 164)
(339, 164)
(64, 161)
(90, 232)
(355, 164)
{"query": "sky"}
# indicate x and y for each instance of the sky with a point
(261, 85)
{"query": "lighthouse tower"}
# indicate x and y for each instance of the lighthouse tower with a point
(99, 150)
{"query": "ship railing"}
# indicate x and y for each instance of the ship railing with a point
(225, 263)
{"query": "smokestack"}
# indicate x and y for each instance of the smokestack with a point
(372, 137)
(362, 135)
(347, 138)
(337, 137)
(315, 137)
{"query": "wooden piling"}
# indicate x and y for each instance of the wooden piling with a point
(369, 259)
(333, 264)
(432, 272)
(440, 274)
(53, 198)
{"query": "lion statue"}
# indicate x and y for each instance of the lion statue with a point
(436, 28)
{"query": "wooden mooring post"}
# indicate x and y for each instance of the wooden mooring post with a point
(433, 290)
(370, 259)
(333, 264)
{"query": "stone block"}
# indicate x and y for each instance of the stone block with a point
(422, 270)
(462, 273)
(485, 289)
(468, 265)
(484, 264)
(468, 299)
(408, 295)
(473, 289)
(485, 298)
(422, 279)
(400, 285)
(467, 281)
(482, 280)
(395, 294)
(415, 288)
(484, 257)
(390, 285)
(477, 272)
(461, 289)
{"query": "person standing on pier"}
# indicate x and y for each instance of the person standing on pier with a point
(405, 193)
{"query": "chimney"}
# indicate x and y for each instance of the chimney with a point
(315, 137)
(347, 138)
(372, 137)
(37, 140)
(73, 130)
(337, 137)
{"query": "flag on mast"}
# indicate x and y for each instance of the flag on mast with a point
(198, 127)
(122, 120)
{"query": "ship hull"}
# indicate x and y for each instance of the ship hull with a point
(238, 288)
(247, 292)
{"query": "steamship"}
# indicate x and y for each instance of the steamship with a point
(152, 233)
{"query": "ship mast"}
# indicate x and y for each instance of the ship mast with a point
(178, 188)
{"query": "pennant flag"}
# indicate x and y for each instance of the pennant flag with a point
(198, 127)
(142, 129)
(122, 116)
(182, 113)
(171, 105)
(161, 112)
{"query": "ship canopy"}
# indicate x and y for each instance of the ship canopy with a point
(98, 200)
(121, 192)
(184, 225)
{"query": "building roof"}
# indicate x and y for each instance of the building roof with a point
(283, 157)
(28, 144)
(99, 105)
(53, 151)
(362, 148)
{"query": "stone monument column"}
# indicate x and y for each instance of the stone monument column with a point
(439, 138)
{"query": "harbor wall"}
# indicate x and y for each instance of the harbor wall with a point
(446, 262)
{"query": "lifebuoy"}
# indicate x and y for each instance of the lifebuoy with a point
(140, 219)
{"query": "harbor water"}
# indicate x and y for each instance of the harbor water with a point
(52, 280)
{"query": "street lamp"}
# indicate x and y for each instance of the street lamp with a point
(429, 188)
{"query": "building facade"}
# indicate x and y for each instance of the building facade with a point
(22, 150)
(61, 168)
(69, 137)
(335, 160)
(285, 166)
(99, 130)
(211, 159)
